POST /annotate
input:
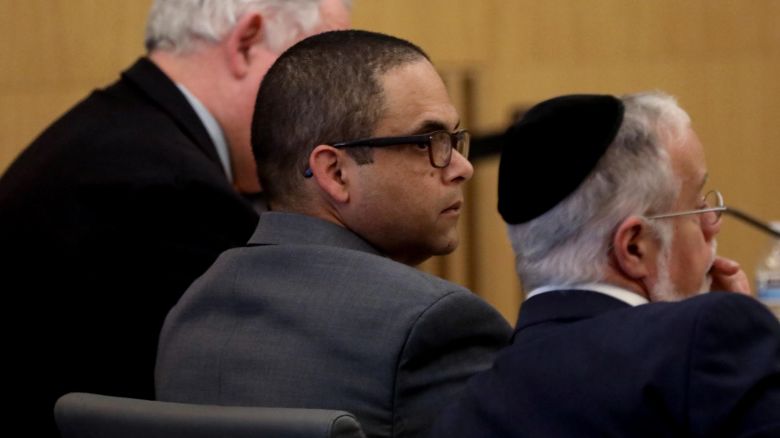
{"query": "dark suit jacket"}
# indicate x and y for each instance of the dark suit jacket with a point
(312, 316)
(105, 219)
(583, 364)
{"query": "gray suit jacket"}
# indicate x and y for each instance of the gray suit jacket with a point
(310, 315)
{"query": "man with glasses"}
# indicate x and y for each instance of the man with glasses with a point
(363, 160)
(614, 233)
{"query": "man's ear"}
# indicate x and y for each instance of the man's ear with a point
(635, 248)
(239, 42)
(326, 164)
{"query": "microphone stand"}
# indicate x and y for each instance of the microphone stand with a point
(750, 220)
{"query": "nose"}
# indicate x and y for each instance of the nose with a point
(459, 169)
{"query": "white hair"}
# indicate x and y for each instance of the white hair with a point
(179, 25)
(571, 243)
(664, 289)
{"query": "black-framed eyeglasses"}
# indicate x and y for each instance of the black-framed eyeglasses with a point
(440, 144)
(711, 211)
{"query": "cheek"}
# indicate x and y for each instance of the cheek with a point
(393, 200)
(415, 204)
(691, 257)
(410, 185)
(700, 248)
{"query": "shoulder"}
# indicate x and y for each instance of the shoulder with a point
(433, 297)
(724, 308)
(371, 283)
(724, 334)
(711, 317)
(358, 269)
(734, 351)
(112, 139)
(725, 317)
(717, 305)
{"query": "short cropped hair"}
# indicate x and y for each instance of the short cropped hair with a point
(178, 25)
(325, 89)
(570, 244)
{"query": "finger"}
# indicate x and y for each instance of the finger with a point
(722, 265)
(737, 282)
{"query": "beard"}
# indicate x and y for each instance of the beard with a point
(664, 289)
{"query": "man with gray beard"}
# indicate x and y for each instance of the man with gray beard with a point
(614, 231)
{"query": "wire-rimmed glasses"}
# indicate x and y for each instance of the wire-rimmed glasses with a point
(712, 210)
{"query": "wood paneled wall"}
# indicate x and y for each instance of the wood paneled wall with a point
(53, 52)
(721, 58)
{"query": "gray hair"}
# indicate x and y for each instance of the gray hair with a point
(570, 244)
(178, 25)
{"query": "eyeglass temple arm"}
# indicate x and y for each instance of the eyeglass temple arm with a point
(741, 215)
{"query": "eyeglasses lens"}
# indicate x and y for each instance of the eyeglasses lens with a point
(464, 141)
(442, 145)
(713, 200)
(441, 149)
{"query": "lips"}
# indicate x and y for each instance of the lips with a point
(454, 208)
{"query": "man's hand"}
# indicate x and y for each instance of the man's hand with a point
(727, 275)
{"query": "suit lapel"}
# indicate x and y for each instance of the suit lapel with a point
(158, 88)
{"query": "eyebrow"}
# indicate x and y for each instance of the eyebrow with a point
(433, 125)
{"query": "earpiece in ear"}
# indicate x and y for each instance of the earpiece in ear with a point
(308, 173)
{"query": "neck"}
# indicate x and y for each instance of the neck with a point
(203, 73)
(198, 70)
(615, 277)
(243, 166)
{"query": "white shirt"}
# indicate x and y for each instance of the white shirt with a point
(621, 294)
(213, 129)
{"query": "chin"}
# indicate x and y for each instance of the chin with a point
(448, 247)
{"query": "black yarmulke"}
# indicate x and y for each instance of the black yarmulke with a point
(551, 150)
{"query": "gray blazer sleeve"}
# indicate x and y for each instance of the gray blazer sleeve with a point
(456, 336)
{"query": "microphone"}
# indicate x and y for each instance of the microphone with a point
(750, 220)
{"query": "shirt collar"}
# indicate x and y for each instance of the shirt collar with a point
(212, 127)
(621, 294)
